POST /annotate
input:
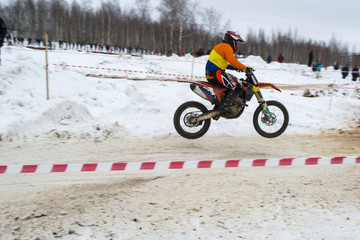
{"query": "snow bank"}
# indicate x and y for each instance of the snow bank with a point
(97, 108)
(60, 121)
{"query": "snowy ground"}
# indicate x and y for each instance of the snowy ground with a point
(98, 108)
(108, 118)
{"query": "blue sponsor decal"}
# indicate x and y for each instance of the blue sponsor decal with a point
(208, 93)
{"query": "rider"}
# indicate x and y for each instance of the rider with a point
(222, 58)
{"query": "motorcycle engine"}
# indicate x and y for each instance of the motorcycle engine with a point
(236, 109)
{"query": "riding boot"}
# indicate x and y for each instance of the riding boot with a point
(225, 104)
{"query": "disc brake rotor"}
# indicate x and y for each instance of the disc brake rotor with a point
(266, 119)
(190, 120)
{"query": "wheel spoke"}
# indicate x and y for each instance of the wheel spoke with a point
(273, 124)
(186, 123)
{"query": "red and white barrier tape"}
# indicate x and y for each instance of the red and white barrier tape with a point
(203, 77)
(316, 86)
(174, 165)
(197, 61)
(129, 71)
(188, 76)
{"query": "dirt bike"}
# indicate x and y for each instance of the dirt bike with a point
(192, 119)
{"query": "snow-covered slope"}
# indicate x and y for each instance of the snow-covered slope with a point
(91, 96)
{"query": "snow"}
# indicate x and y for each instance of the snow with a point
(109, 105)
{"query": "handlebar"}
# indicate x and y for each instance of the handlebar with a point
(250, 77)
(250, 70)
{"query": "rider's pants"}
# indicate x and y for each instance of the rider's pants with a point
(221, 77)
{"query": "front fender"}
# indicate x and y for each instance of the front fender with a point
(261, 85)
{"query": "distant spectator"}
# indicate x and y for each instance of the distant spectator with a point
(345, 71)
(269, 58)
(337, 66)
(355, 73)
(311, 58)
(3, 32)
(280, 58)
(315, 65)
(200, 53)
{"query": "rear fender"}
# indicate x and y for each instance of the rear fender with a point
(208, 91)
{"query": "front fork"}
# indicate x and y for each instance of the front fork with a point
(261, 101)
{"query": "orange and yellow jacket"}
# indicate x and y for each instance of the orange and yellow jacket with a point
(222, 57)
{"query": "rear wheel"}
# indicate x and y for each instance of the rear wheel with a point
(185, 120)
(273, 124)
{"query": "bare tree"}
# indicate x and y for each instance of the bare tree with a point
(177, 28)
(42, 17)
(211, 19)
(143, 8)
(184, 17)
(178, 15)
(168, 10)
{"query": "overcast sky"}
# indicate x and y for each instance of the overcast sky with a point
(315, 19)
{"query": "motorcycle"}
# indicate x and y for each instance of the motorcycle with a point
(192, 119)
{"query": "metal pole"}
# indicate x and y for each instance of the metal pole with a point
(331, 95)
(192, 69)
(47, 67)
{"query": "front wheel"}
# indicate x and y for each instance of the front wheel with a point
(271, 123)
(185, 120)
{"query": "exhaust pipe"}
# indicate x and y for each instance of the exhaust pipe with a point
(195, 88)
(208, 115)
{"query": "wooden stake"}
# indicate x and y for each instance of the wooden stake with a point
(331, 95)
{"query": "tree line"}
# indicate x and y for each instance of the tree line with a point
(182, 26)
